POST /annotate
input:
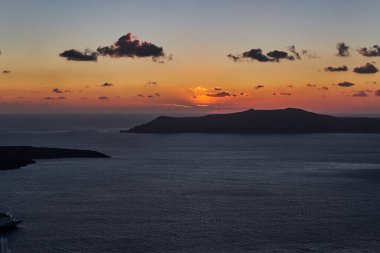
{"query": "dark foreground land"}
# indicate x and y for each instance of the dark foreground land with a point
(13, 157)
(287, 121)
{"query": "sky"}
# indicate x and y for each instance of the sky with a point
(189, 56)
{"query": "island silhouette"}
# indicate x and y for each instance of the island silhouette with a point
(14, 157)
(281, 121)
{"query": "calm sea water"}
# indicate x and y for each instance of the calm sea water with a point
(190, 192)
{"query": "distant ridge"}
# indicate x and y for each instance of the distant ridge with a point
(286, 121)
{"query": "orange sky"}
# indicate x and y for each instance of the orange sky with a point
(199, 65)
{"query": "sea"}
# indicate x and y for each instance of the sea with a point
(189, 192)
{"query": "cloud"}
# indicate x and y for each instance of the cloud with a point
(285, 94)
(298, 56)
(56, 90)
(103, 97)
(75, 55)
(129, 46)
(272, 56)
(343, 49)
(345, 84)
(293, 50)
(324, 88)
(279, 55)
(178, 105)
(369, 68)
(54, 98)
(336, 69)
(256, 54)
(140, 95)
(370, 52)
(235, 58)
(106, 84)
(259, 87)
(6, 71)
(309, 54)
(151, 83)
(311, 85)
(360, 94)
(217, 89)
(377, 93)
(157, 94)
(219, 94)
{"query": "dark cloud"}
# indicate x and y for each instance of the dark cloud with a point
(311, 85)
(279, 55)
(217, 89)
(140, 95)
(360, 94)
(75, 55)
(6, 71)
(258, 55)
(259, 87)
(336, 69)
(345, 84)
(103, 97)
(369, 68)
(219, 94)
(285, 94)
(324, 88)
(129, 46)
(370, 52)
(150, 96)
(290, 86)
(54, 98)
(157, 94)
(343, 49)
(377, 93)
(56, 90)
(106, 84)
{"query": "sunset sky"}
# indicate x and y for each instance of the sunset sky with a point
(175, 57)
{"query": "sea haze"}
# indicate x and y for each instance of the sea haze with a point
(190, 192)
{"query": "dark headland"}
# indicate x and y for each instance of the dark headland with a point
(283, 121)
(13, 157)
